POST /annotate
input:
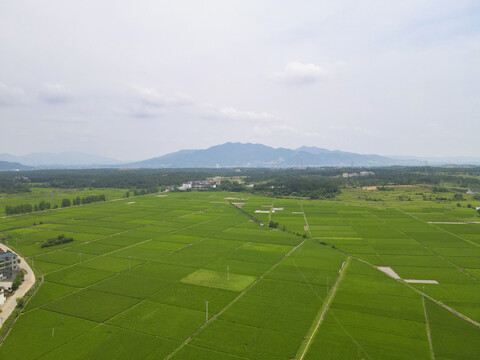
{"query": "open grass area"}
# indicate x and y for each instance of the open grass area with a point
(189, 276)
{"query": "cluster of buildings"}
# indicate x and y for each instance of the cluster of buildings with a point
(198, 185)
(361, 173)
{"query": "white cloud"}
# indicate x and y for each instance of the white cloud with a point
(231, 113)
(264, 130)
(54, 93)
(297, 73)
(149, 102)
(152, 97)
(11, 95)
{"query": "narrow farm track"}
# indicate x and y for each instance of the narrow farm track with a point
(9, 306)
(126, 231)
(421, 293)
(432, 251)
(302, 351)
(107, 320)
(305, 217)
(134, 267)
(427, 326)
(213, 318)
(271, 209)
(133, 245)
(438, 228)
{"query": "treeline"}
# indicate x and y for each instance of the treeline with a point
(88, 199)
(312, 187)
(18, 209)
(9, 187)
(150, 190)
(143, 179)
(43, 205)
(113, 178)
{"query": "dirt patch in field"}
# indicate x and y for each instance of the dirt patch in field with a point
(389, 271)
(374, 188)
(414, 281)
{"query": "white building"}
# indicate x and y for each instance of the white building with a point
(2, 297)
(186, 186)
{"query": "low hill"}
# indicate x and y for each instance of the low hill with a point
(13, 166)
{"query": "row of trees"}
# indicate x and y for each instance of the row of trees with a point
(43, 205)
(89, 199)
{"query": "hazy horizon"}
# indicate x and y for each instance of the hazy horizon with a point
(136, 80)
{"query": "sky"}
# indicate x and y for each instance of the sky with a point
(137, 79)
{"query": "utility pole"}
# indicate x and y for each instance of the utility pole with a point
(228, 273)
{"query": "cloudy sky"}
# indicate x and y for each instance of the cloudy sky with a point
(137, 79)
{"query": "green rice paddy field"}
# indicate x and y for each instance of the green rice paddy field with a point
(189, 276)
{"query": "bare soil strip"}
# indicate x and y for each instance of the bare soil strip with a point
(389, 271)
(302, 351)
(306, 227)
(415, 281)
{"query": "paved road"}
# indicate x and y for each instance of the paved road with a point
(11, 302)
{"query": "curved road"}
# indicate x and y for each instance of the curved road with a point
(28, 282)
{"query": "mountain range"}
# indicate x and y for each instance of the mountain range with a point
(225, 155)
(258, 155)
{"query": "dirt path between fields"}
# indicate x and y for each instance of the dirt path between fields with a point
(28, 282)
(427, 325)
(439, 228)
(302, 351)
(214, 317)
(270, 211)
(306, 221)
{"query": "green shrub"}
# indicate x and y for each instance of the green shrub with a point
(18, 280)
(60, 239)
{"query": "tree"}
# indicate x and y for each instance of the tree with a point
(65, 202)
